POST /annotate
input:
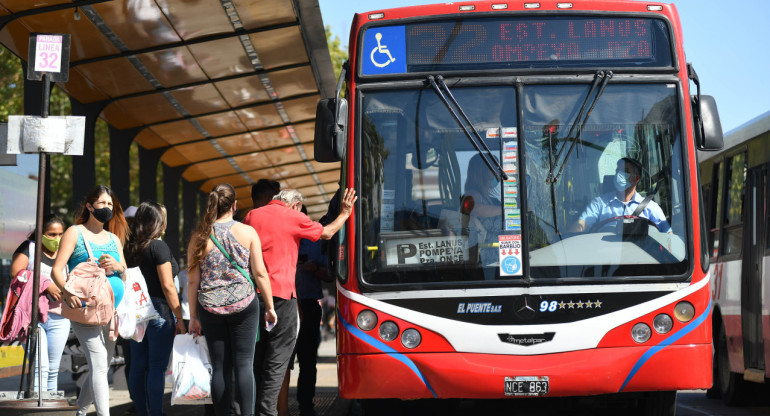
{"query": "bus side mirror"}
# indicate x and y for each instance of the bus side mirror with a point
(707, 127)
(331, 125)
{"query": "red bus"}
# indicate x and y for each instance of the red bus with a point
(735, 190)
(529, 220)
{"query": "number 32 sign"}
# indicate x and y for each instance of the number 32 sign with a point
(49, 53)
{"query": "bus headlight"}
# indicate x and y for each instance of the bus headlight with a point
(662, 323)
(641, 333)
(388, 331)
(366, 320)
(684, 311)
(411, 338)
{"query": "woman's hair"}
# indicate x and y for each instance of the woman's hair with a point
(220, 201)
(48, 221)
(117, 224)
(149, 223)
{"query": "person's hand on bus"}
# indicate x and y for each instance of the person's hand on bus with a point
(346, 208)
(347, 202)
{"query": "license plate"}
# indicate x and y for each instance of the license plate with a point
(526, 386)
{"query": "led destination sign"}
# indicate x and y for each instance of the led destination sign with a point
(531, 42)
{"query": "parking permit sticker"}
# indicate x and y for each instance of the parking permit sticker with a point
(384, 51)
(510, 255)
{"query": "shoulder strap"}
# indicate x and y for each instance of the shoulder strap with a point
(230, 259)
(85, 241)
(645, 201)
(31, 249)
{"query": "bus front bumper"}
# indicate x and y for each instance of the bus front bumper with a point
(483, 376)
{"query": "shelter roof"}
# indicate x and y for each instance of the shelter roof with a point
(226, 88)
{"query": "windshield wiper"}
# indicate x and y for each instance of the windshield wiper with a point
(601, 79)
(499, 172)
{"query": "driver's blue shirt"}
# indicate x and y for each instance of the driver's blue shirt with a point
(609, 206)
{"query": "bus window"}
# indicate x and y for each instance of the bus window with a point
(733, 214)
(586, 189)
(767, 209)
(716, 221)
(435, 210)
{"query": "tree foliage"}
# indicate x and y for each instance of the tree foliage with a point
(338, 53)
(11, 85)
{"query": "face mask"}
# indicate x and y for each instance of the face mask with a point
(494, 189)
(621, 181)
(52, 244)
(102, 214)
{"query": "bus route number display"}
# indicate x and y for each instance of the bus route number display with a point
(515, 42)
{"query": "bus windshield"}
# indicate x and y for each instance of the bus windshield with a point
(439, 215)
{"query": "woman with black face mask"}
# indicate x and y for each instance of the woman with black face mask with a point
(100, 221)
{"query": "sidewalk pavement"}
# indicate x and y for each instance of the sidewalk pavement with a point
(327, 400)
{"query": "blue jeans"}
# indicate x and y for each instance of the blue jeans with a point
(53, 338)
(149, 361)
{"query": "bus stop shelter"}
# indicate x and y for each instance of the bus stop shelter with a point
(212, 90)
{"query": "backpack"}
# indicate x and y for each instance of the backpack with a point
(88, 282)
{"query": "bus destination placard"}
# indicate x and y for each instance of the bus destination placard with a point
(516, 42)
(412, 251)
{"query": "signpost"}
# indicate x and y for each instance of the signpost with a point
(48, 61)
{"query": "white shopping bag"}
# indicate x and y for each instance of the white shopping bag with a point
(136, 291)
(126, 317)
(191, 371)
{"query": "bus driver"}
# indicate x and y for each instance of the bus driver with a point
(624, 202)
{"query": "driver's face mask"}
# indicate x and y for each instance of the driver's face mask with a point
(621, 181)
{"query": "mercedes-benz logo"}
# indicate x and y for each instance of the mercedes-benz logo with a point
(522, 307)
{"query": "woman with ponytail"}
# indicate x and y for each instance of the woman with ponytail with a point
(225, 262)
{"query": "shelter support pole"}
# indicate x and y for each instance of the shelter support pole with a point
(33, 104)
(148, 173)
(32, 344)
(190, 199)
(84, 167)
(171, 179)
(203, 201)
(120, 165)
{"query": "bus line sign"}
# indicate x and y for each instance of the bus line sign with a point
(49, 53)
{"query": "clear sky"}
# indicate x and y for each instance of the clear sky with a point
(725, 40)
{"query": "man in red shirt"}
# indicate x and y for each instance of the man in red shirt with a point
(281, 226)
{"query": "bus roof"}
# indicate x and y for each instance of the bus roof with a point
(740, 134)
(485, 6)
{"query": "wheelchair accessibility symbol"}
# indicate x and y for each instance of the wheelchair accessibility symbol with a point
(384, 51)
(384, 58)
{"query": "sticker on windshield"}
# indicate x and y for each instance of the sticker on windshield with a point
(509, 133)
(511, 185)
(384, 51)
(510, 255)
(387, 214)
(493, 133)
